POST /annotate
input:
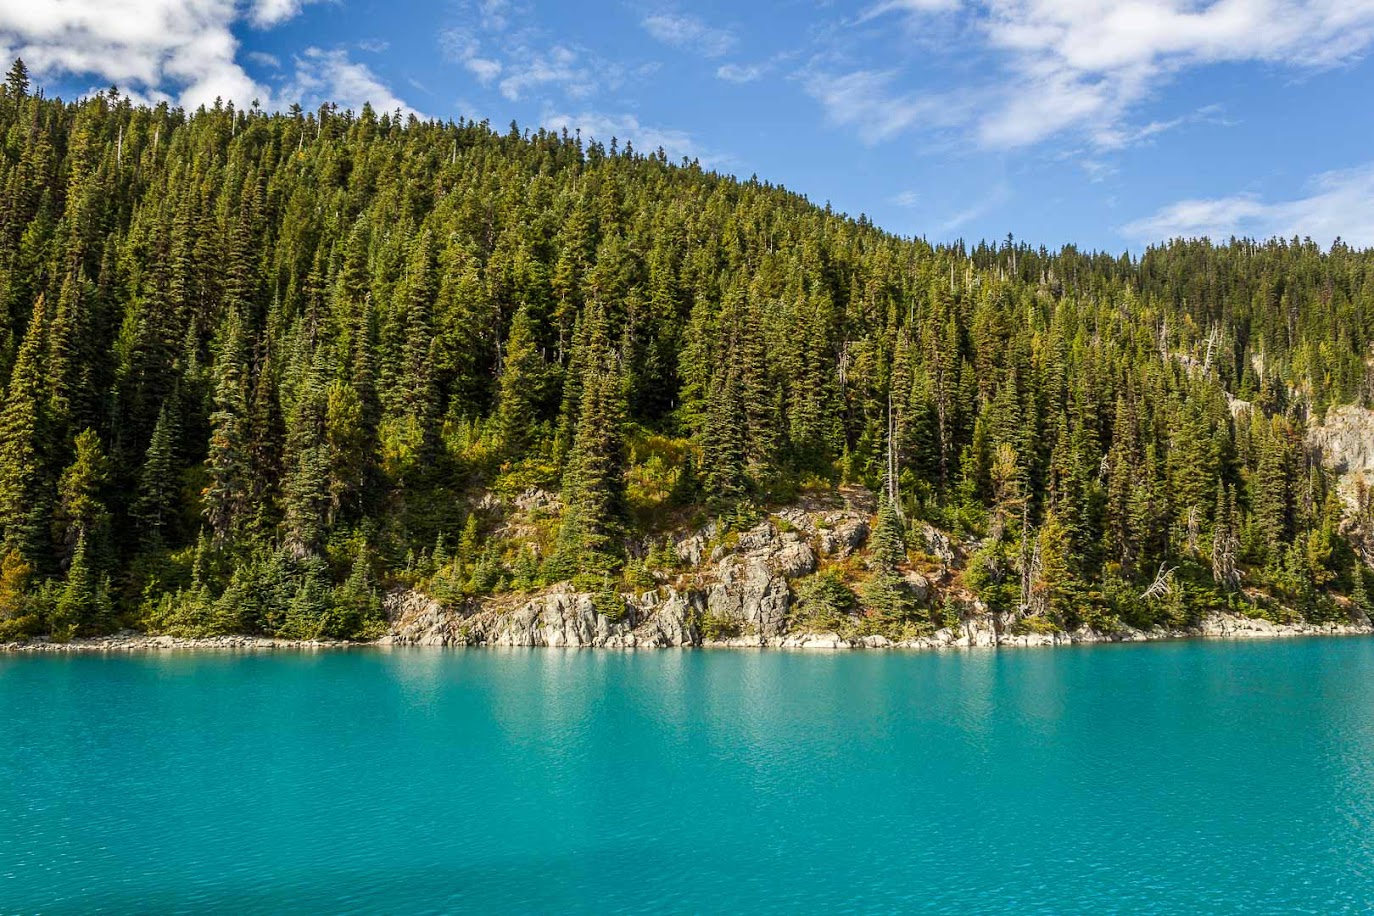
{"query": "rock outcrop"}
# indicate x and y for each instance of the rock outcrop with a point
(737, 593)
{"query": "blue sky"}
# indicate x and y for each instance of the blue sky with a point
(1104, 124)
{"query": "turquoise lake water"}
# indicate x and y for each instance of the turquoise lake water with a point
(1199, 777)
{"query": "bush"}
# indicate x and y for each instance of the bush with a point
(714, 627)
(825, 601)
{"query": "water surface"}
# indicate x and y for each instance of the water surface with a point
(1169, 778)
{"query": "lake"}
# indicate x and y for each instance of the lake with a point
(1164, 778)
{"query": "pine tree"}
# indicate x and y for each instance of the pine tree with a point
(24, 503)
(81, 514)
(522, 378)
(722, 443)
(155, 504)
(17, 80)
(886, 593)
(226, 498)
(1359, 595)
(83, 604)
(589, 540)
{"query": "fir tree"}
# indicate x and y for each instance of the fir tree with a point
(24, 503)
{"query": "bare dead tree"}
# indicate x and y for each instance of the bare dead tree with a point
(893, 494)
(1163, 584)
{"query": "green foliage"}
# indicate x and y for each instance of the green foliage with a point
(308, 330)
(716, 627)
(825, 602)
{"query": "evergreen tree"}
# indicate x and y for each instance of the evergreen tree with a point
(226, 498)
(522, 378)
(589, 540)
(24, 503)
(81, 514)
(155, 504)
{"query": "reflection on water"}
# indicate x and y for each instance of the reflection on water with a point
(1196, 777)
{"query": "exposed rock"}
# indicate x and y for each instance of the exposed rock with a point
(417, 619)
(919, 585)
(938, 544)
(690, 550)
(1345, 440)
(846, 535)
(536, 498)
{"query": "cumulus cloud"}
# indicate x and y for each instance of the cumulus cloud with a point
(179, 51)
(690, 33)
(267, 13)
(1339, 203)
(174, 50)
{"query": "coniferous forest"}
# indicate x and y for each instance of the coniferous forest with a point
(260, 368)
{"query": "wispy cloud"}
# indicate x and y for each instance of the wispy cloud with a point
(739, 73)
(263, 59)
(868, 101)
(908, 6)
(559, 66)
(999, 194)
(463, 48)
(1339, 203)
(689, 33)
(646, 138)
(1084, 66)
(330, 76)
(502, 43)
(906, 199)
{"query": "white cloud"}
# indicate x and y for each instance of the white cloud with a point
(267, 13)
(999, 194)
(867, 101)
(905, 199)
(494, 14)
(559, 66)
(908, 6)
(646, 139)
(330, 76)
(690, 33)
(180, 51)
(1340, 203)
(263, 59)
(177, 50)
(1084, 63)
(739, 73)
(503, 45)
(1083, 66)
(463, 48)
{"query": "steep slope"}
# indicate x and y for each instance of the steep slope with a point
(262, 370)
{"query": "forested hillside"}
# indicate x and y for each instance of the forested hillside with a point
(260, 368)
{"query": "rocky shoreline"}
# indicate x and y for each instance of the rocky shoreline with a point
(979, 634)
(730, 591)
(131, 641)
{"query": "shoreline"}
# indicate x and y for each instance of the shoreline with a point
(976, 634)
